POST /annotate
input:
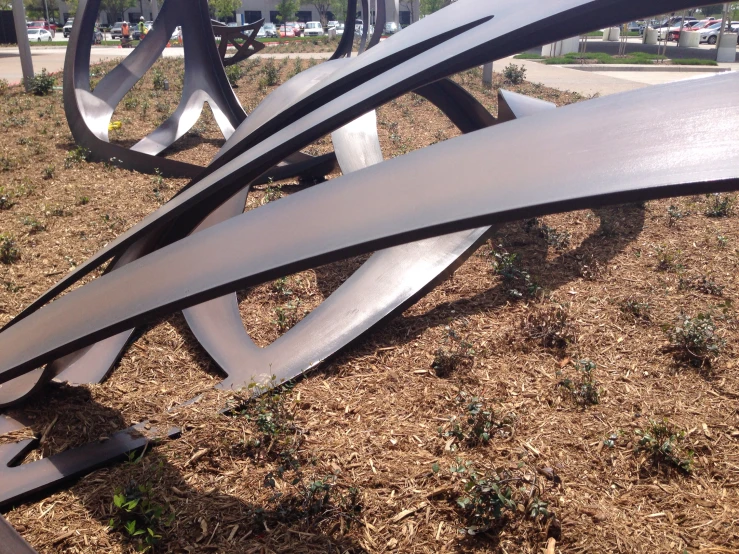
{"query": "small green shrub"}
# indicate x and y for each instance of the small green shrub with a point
(282, 287)
(559, 240)
(286, 316)
(41, 84)
(77, 155)
(131, 102)
(9, 252)
(83, 200)
(270, 73)
(477, 425)
(516, 279)
(48, 172)
(233, 74)
(158, 79)
(636, 309)
(661, 443)
(514, 74)
(584, 391)
(139, 517)
(720, 205)
(35, 225)
(454, 355)
(702, 284)
(272, 193)
(4, 86)
(492, 499)
(6, 199)
(695, 341)
(674, 214)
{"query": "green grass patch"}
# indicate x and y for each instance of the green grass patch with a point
(635, 58)
(528, 56)
(694, 61)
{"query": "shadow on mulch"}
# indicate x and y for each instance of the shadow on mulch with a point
(191, 520)
(619, 227)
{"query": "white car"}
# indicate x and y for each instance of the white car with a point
(176, 34)
(67, 29)
(710, 34)
(313, 29)
(333, 24)
(37, 35)
(339, 29)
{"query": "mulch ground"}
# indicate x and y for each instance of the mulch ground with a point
(374, 451)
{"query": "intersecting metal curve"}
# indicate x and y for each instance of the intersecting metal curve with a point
(464, 43)
(89, 113)
(346, 217)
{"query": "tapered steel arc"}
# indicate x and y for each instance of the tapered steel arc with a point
(347, 216)
(393, 279)
(19, 482)
(404, 62)
(380, 20)
(347, 39)
(94, 363)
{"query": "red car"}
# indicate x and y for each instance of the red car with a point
(51, 27)
(286, 30)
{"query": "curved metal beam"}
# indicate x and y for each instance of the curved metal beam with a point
(344, 49)
(89, 113)
(380, 20)
(346, 217)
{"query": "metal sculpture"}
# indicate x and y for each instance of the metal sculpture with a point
(421, 236)
(236, 37)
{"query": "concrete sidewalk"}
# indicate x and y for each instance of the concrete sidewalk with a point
(602, 83)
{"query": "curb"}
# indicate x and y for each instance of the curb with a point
(647, 68)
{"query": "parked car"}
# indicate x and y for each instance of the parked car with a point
(270, 30)
(711, 34)
(332, 24)
(670, 33)
(67, 29)
(636, 27)
(391, 28)
(298, 28)
(339, 29)
(43, 25)
(176, 34)
(313, 29)
(287, 31)
(115, 30)
(38, 35)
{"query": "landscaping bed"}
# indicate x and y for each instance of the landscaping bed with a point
(582, 365)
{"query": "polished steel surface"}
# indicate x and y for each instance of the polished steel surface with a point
(444, 198)
(410, 58)
(512, 105)
(349, 215)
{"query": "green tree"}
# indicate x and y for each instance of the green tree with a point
(339, 8)
(115, 8)
(431, 6)
(322, 7)
(72, 6)
(224, 8)
(287, 9)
